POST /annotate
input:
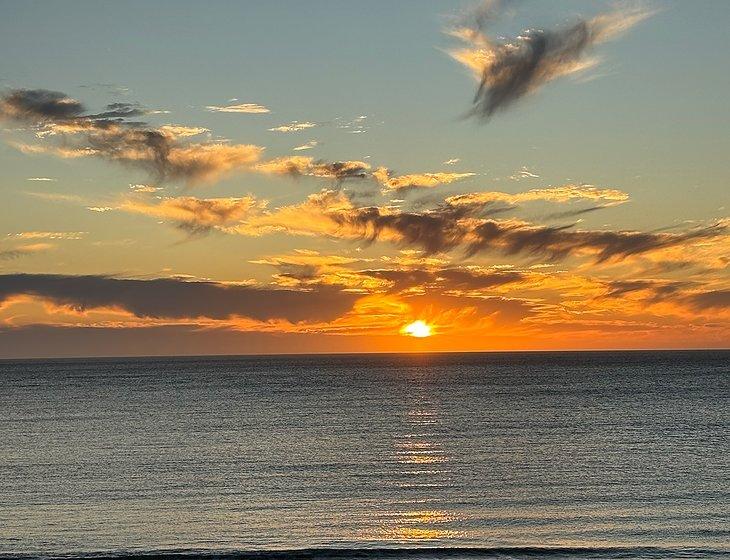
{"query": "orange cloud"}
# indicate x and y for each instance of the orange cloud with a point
(415, 180)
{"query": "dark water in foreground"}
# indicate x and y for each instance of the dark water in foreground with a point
(576, 455)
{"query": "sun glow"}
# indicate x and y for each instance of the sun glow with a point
(419, 329)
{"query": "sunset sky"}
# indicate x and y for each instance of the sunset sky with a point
(286, 177)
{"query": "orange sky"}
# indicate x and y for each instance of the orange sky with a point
(145, 219)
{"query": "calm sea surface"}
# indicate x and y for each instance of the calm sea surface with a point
(582, 455)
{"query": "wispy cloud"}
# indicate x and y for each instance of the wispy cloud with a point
(509, 69)
(563, 193)
(307, 166)
(23, 250)
(74, 235)
(194, 215)
(308, 146)
(415, 180)
(139, 188)
(294, 126)
(456, 225)
(180, 131)
(524, 173)
(57, 197)
(358, 125)
(714, 299)
(251, 108)
(111, 136)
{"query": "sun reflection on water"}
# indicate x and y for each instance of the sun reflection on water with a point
(418, 516)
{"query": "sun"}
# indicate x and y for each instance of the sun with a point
(419, 329)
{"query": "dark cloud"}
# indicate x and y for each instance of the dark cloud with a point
(109, 135)
(555, 243)
(341, 170)
(658, 290)
(451, 278)
(169, 298)
(536, 58)
(402, 279)
(680, 292)
(470, 279)
(434, 232)
(574, 213)
(300, 272)
(120, 111)
(510, 69)
(715, 299)
(449, 227)
(39, 105)
(446, 228)
(298, 166)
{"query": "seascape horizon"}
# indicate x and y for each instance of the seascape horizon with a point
(364, 280)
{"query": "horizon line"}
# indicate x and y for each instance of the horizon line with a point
(374, 353)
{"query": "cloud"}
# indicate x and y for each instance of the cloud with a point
(524, 173)
(310, 268)
(194, 215)
(108, 135)
(658, 289)
(685, 293)
(307, 268)
(308, 146)
(57, 197)
(298, 166)
(180, 131)
(46, 179)
(464, 313)
(416, 180)
(307, 166)
(74, 235)
(358, 125)
(121, 111)
(199, 162)
(447, 278)
(170, 298)
(144, 188)
(556, 243)
(508, 70)
(109, 88)
(714, 299)
(564, 193)
(251, 108)
(294, 126)
(39, 105)
(453, 226)
(450, 226)
(24, 250)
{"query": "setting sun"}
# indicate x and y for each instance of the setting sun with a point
(418, 329)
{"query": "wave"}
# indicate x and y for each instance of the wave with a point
(498, 553)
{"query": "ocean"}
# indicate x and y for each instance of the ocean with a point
(494, 455)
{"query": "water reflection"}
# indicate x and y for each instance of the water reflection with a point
(423, 476)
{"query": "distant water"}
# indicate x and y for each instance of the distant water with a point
(575, 455)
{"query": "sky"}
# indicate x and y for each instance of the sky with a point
(287, 177)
